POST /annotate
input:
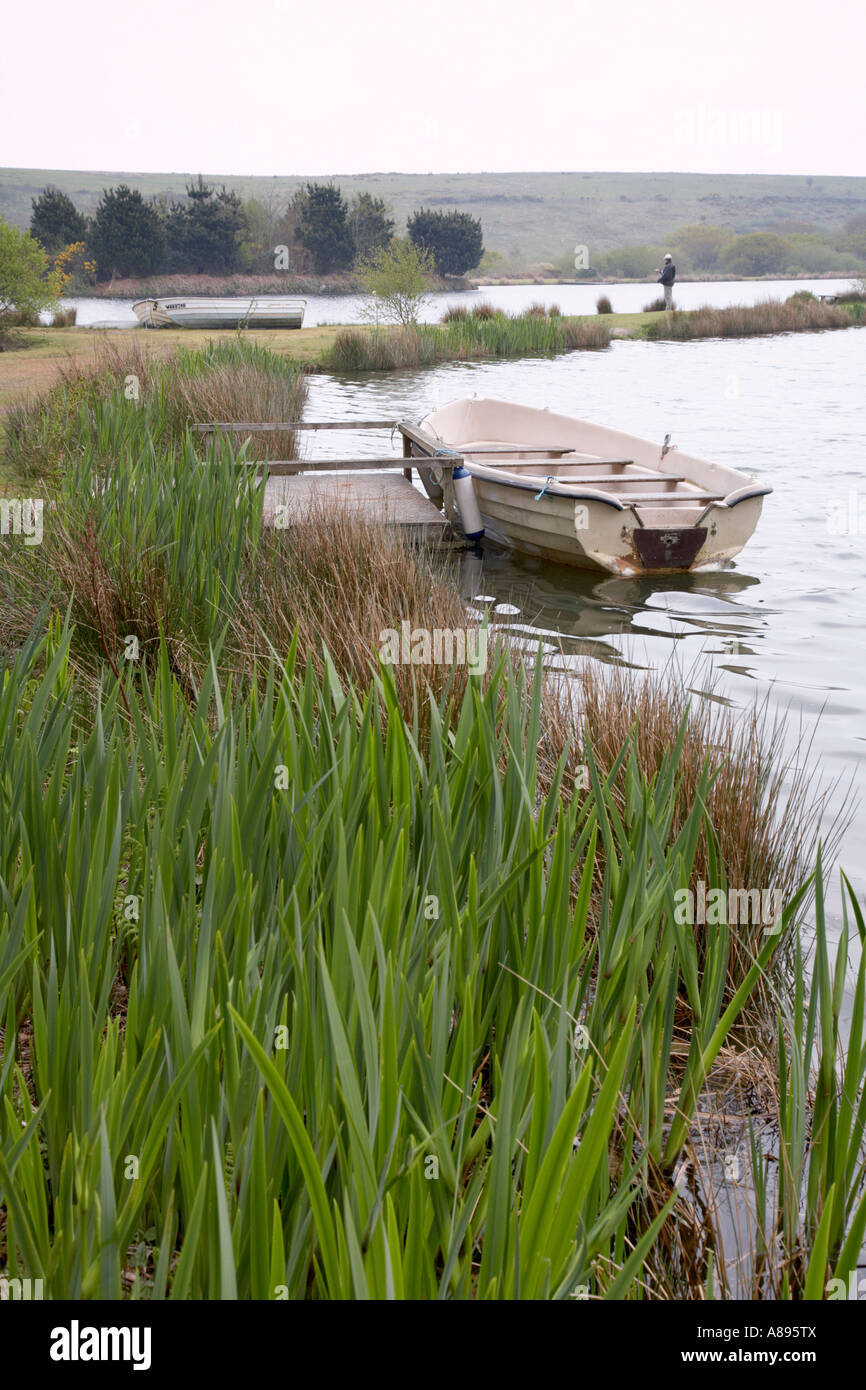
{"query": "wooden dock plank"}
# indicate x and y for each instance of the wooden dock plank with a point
(388, 497)
(270, 426)
(353, 465)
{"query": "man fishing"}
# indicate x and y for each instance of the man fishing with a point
(666, 278)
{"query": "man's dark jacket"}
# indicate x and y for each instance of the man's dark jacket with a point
(668, 275)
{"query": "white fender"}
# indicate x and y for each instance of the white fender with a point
(467, 506)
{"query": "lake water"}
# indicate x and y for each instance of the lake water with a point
(572, 299)
(788, 618)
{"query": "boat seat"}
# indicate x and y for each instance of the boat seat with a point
(556, 451)
(640, 497)
(514, 449)
(589, 460)
(620, 478)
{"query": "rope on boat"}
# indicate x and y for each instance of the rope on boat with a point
(547, 482)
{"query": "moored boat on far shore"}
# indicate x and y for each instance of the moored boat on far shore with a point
(262, 311)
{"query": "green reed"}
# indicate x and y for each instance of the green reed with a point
(291, 1008)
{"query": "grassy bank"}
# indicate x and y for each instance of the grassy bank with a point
(470, 337)
(799, 314)
(376, 971)
(43, 355)
(122, 395)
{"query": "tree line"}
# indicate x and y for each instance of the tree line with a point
(212, 231)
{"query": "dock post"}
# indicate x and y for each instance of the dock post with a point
(448, 495)
(407, 454)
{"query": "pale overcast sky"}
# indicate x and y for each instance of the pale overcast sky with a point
(340, 87)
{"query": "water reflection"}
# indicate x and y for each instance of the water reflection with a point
(786, 621)
(569, 607)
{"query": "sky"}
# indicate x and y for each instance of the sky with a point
(426, 86)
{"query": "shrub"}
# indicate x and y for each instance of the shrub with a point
(27, 282)
(397, 278)
(756, 253)
(627, 262)
(455, 313)
(64, 318)
(656, 306)
(603, 305)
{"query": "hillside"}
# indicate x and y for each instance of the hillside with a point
(528, 217)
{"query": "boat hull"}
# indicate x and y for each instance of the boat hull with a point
(591, 536)
(645, 512)
(262, 312)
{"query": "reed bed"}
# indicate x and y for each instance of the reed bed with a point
(152, 546)
(461, 339)
(239, 380)
(124, 398)
(335, 583)
(163, 549)
(181, 285)
(19, 318)
(322, 977)
(743, 321)
(486, 310)
(767, 812)
(292, 1009)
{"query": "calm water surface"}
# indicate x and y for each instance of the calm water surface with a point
(572, 299)
(787, 620)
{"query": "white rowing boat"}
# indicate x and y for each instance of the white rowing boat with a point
(583, 495)
(264, 311)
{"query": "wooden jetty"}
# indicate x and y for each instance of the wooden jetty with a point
(379, 489)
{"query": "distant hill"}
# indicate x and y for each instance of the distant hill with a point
(527, 217)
